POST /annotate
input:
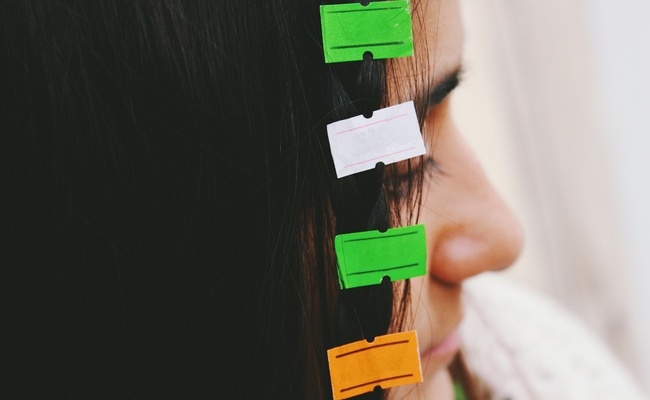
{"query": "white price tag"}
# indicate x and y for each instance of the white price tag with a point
(392, 134)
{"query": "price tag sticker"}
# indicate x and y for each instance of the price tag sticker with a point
(383, 28)
(364, 258)
(392, 134)
(390, 360)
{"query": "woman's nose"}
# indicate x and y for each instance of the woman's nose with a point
(470, 229)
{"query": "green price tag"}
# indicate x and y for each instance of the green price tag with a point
(459, 392)
(364, 258)
(382, 28)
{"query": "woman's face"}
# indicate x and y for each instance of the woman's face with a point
(469, 227)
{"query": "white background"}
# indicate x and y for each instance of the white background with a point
(556, 101)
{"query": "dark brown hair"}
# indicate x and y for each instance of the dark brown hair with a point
(169, 204)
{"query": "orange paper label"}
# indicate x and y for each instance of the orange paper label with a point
(390, 360)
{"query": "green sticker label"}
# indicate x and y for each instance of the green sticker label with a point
(383, 28)
(364, 258)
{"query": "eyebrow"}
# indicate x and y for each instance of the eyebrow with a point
(436, 92)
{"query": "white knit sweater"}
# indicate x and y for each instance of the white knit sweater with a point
(525, 347)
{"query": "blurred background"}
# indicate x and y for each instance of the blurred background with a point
(556, 102)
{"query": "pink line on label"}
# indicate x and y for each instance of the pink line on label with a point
(370, 124)
(377, 158)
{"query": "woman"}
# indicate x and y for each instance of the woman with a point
(169, 201)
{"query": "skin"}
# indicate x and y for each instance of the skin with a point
(469, 228)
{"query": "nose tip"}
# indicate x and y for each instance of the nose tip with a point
(491, 240)
(470, 228)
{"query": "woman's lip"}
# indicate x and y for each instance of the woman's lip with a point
(448, 346)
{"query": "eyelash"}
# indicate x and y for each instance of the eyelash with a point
(441, 94)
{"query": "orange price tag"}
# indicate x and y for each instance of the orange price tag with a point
(390, 360)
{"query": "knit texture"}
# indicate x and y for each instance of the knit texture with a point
(526, 347)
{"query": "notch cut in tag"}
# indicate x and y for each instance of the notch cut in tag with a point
(392, 134)
(383, 28)
(390, 360)
(364, 258)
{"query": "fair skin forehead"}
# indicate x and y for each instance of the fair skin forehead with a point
(469, 228)
(438, 43)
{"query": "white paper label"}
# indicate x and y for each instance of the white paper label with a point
(392, 134)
